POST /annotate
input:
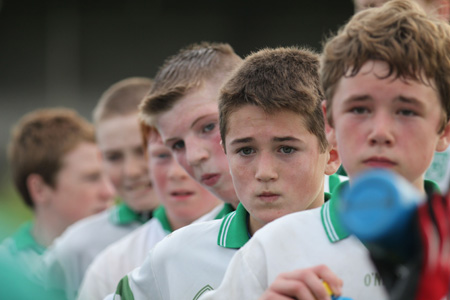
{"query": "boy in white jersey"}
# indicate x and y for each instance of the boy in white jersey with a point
(57, 169)
(183, 201)
(272, 132)
(386, 78)
(119, 138)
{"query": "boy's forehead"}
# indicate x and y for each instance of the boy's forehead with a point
(186, 113)
(254, 116)
(373, 81)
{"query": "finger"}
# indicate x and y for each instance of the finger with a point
(313, 279)
(291, 288)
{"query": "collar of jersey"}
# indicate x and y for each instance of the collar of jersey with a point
(329, 212)
(121, 214)
(227, 208)
(233, 231)
(23, 239)
(160, 214)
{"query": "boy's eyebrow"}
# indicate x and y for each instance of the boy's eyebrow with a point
(286, 138)
(201, 118)
(168, 141)
(275, 139)
(356, 98)
(411, 100)
(241, 141)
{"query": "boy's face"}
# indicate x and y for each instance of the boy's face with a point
(191, 130)
(81, 187)
(276, 164)
(185, 200)
(120, 141)
(387, 123)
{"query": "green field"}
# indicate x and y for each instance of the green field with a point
(12, 210)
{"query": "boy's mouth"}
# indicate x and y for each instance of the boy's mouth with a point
(181, 194)
(210, 179)
(379, 162)
(268, 196)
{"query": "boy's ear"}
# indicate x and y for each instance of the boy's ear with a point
(329, 130)
(38, 189)
(333, 163)
(444, 139)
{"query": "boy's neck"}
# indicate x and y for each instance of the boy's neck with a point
(44, 231)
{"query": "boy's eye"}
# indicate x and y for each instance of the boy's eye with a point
(163, 155)
(287, 149)
(113, 157)
(178, 145)
(209, 127)
(359, 110)
(245, 151)
(139, 151)
(407, 112)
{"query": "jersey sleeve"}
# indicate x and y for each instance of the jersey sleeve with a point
(95, 284)
(246, 275)
(140, 284)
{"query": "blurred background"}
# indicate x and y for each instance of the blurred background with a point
(66, 53)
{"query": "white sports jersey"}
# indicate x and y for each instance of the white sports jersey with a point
(66, 261)
(300, 240)
(123, 256)
(297, 241)
(189, 261)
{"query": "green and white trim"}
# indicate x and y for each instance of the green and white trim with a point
(122, 214)
(233, 231)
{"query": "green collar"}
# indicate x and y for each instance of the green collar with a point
(121, 214)
(23, 239)
(233, 231)
(227, 208)
(329, 212)
(160, 214)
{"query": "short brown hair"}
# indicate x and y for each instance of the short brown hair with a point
(122, 98)
(413, 44)
(39, 142)
(274, 80)
(188, 70)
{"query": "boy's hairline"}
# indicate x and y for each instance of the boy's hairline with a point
(152, 119)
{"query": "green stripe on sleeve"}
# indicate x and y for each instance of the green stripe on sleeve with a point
(124, 291)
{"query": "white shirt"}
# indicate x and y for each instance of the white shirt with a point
(123, 256)
(189, 261)
(66, 261)
(296, 241)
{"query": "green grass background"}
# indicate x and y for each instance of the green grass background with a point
(13, 211)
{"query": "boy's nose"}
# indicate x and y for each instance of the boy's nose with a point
(381, 131)
(107, 189)
(134, 167)
(176, 171)
(196, 154)
(265, 169)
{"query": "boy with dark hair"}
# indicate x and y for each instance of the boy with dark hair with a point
(269, 111)
(386, 78)
(182, 104)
